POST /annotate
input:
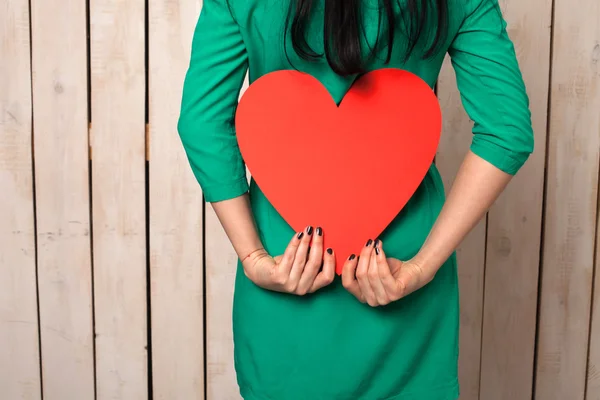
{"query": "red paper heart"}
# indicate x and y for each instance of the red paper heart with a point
(349, 169)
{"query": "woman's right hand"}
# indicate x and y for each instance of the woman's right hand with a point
(298, 271)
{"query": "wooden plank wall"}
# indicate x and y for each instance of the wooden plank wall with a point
(176, 213)
(60, 125)
(116, 280)
(570, 215)
(118, 182)
(19, 338)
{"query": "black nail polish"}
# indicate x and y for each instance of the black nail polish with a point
(376, 242)
(369, 242)
(329, 251)
(377, 250)
(352, 257)
(319, 231)
(300, 235)
(309, 230)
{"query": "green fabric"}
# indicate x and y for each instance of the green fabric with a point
(328, 345)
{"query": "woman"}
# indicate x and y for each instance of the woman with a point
(388, 328)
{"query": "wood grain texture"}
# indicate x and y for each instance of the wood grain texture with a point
(19, 350)
(571, 200)
(118, 197)
(514, 226)
(454, 144)
(593, 367)
(221, 266)
(176, 248)
(62, 198)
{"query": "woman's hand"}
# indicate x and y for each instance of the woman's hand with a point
(298, 270)
(377, 280)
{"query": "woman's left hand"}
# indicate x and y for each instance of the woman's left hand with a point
(374, 279)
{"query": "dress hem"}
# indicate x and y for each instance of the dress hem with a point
(445, 392)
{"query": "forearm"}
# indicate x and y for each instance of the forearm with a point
(477, 185)
(236, 217)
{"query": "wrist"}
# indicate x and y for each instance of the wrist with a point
(250, 260)
(252, 256)
(427, 261)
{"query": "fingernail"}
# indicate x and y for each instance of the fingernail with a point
(369, 242)
(377, 250)
(300, 235)
(352, 257)
(329, 251)
(319, 231)
(376, 242)
(309, 230)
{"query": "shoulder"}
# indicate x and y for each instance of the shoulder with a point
(476, 8)
(243, 8)
(472, 15)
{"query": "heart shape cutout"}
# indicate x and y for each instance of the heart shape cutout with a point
(348, 169)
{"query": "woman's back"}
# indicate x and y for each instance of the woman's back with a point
(329, 345)
(263, 22)
(260, 26)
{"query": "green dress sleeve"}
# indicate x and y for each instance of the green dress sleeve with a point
(211, 89)
(492, 88)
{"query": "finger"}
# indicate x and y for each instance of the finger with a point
(388, 281)
(349, 277)
(313, 263)
(373, 275)
(327, 274)
(287, 260)
(300, 258)
(362, 274)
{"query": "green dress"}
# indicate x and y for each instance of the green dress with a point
(328, 345)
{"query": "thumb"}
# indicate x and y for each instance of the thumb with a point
(410, 278)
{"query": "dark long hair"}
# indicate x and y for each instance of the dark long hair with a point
(343, 29)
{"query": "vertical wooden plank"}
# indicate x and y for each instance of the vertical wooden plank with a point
(221, 265)
(62, 197)
(19, 351)
(454, 144)
(514, 226)
(176, 249)
(570, 214)
(593, 368)
(118, 197)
